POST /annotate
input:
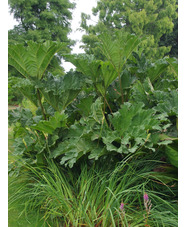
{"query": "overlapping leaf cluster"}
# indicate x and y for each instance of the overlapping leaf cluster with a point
(132, 128)
(119, 106)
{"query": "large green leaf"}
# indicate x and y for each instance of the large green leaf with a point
(24, 116)
(61, 101)
(27, 88)
(16, 58)
(60, 92)
(57, 121)
(31, 143)
(156, 69)
(173, 62)
(119, 48)
(33, 60)
(84, 107)
(132, 118)
(85, 64)
(101, 73)
(133, 127)
(143, 68)
(74, 148)
(167, 102)
(82, 138)
(142, 92)
(19, 146)
(97, 112)
(108, 73)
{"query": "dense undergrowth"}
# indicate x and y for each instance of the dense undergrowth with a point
(97, 146)
(90, 195)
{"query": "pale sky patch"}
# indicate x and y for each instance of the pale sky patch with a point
(82, 6)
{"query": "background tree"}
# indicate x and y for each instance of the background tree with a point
(171, 39)
(41, 20)
(153, 19)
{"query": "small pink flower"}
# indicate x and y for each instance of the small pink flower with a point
(121, 206)
(146, 197)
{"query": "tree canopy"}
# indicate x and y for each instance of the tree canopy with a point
(41, 20)
(153, 19)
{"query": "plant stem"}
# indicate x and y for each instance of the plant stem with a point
(107, 104)
(122, 96)
(104, 96)
(104, 106)
(40, 103)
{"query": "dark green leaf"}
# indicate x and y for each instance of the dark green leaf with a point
(57, 121)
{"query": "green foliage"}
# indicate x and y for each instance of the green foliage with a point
(153, 19)
(134, 128)
(94, 134)
(24, 116)
(117, 51)
(172, 154)
(96, 137)
(109, 73)
(60, 92)
(41, 20)
(167, 102)
(174, 65)
(33, 60)
(171, 39)
(82, 136)
(57, 121)
(34, 137)
(91, 195)
(32, 63)
(156, 70)
(84, 107)
(27, 89)
(101, 73)
(27, 104)
(143, 68)
(85, 64)
(152, 76)
(14, 96)
(85, 128)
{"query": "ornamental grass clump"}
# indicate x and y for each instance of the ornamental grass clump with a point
(94, 195)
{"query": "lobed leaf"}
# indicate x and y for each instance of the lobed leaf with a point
(85, 64)
(167, 102)
(173, 62)
(57, 121)
(60, 92)
(117, 51)
(33, 60)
